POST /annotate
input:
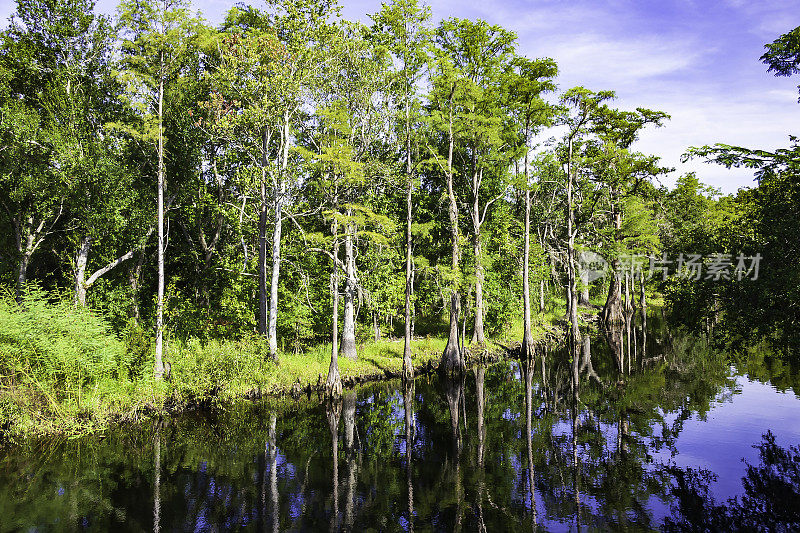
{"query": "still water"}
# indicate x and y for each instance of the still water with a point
(658, 433)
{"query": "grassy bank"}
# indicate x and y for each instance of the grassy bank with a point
(63, 371)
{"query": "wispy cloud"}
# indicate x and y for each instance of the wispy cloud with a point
(614, 63)
(695, 59)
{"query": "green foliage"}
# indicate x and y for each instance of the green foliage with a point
(761, 221)
(783, 54)
(203, 369)
(57, 345)
(62, 369)
(138, 354)
(289, 122)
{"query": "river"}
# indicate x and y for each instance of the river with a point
(658, 434)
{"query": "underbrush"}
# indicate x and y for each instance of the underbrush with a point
(64, 371)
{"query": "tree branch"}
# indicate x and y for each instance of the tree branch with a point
(98, 273)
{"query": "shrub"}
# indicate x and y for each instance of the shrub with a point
(59, 345)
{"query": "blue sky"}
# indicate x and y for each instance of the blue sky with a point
(694, 59)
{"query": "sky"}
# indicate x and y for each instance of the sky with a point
(697, 60)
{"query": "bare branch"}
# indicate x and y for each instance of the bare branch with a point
(96, 275)
(490, 202)
(329, 254)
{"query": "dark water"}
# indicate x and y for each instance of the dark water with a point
(658, 433)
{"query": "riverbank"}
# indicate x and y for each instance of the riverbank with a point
(62, 372)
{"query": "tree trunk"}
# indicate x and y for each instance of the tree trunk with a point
(158, 369)
(527, 338)
(451, 357)
(273, 293)
(263, 295)
(22, 273)
(26, 245)
(463, 327)
(376, 326)
(628, 300)
(262, 268)
(349, 328)
(81, 257)
(571, 291)
(333, 385)
(642, 295)
(583, 298)
(612, 312)
(279, 190)
(567, 295)
(413, 307)
(408, 367)
(478, 334)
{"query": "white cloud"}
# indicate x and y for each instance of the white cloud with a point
(616, 63)
(741, 120)
(697, 61)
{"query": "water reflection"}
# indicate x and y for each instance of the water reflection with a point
(408, 408)
(157, 482)
(333, 410)
(615, 437)
(528, 369)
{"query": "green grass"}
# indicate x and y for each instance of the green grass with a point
(62, 370)
(231, 369)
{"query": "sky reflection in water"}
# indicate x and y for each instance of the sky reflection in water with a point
(643, 417)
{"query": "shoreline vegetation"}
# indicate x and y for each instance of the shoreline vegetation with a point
(67, 374)
(191, 214)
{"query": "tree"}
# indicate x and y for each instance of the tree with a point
(582, 107)
(49, 57)
(622, 174)
(155, 33)
(767, 306)
(446, 82)
(101, 202)
(783, 54)
(480, 53)
(529, 79)
(341, 148)
(270, 63)
(401, 27)
(357, 129)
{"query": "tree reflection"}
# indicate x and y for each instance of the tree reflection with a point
(349, 411)
(582, 442)
(333, 412)
(528, 369)
(771, 500)
(408, 411)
